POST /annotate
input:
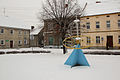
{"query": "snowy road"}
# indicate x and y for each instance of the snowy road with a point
(51, 67)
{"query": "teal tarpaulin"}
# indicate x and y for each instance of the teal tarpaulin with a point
(77, 58)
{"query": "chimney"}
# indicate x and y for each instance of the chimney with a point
(32, 27)
(98, 1)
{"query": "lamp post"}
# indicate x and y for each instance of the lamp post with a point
(76, 22)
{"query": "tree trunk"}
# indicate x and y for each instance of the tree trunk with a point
(64, 49)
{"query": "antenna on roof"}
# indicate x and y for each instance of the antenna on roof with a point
(4, 12)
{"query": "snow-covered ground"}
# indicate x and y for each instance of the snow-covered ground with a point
(53, 50)
(51, 67)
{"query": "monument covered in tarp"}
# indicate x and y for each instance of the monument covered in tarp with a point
(77, 58)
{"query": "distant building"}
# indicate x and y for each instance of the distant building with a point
(52, 37)
(36, 37)
(13, 34)
(102, 20)
(103, 30)
(102, 25)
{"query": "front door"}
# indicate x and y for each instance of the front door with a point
(11, 44)
(109, 41)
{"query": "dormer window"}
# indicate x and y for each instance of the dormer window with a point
(107, 16)
(98, 1)
(87, 18)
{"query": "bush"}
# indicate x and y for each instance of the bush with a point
(2, 52)
(12, 52)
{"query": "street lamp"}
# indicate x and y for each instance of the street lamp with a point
(76, 22)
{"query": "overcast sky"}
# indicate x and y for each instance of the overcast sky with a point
(25, 10)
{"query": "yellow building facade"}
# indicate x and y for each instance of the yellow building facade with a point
(102, 31)
(14, 37)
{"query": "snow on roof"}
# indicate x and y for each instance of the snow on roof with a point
(12, 23)
(36, 30)
(105, 7)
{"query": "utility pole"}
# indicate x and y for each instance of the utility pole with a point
(4, 12)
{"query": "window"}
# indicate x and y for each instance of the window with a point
(25, 32)
(108, 24)
(107, 16)
(60, 41)
(88, 40)
(97, 39)
(20, 32)
(118, 23)
(2, 42)
(50, 26)
(25, 41)
(11, 31)
(97, 24)
(50, 40)
(19, 42)
(97, 17)
(2, 31)
(88, 25)
(31, 37)
(87, 18)
(119, 39)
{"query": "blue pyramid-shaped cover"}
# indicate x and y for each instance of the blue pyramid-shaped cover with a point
(77, 58)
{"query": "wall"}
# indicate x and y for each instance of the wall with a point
(15, 37)
(103, 31)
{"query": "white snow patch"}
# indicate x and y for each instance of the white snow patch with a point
(56, 51)
(12, 23)
(105, 7)
(36, 30)
(51, 67)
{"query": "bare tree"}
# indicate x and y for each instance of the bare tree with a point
(62, 12)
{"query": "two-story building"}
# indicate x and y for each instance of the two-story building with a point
(103, 30)
(13, 34)
(101, 21)
(36, 36)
